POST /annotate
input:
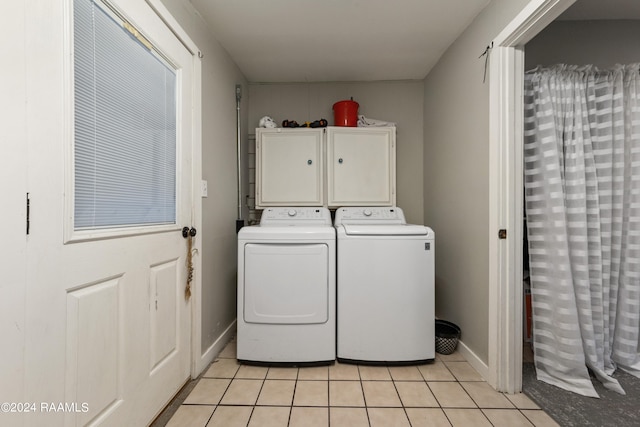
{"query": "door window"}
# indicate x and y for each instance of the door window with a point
(125, 124)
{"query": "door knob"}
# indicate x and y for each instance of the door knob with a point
(186, 232)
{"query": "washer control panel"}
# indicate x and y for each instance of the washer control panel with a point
(296, 216)
(370, 215)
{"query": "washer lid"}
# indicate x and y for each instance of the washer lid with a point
(386, 230)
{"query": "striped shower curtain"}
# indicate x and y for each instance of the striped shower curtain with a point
(582, 204)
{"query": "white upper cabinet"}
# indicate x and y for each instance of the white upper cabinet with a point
(360, 167)
(289, 167)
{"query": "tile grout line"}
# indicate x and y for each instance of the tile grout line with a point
(404, 408)
(255, 404)
(293, 395)
(364, 396)
(329, 397)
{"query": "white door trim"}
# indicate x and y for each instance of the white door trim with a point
(164, 14)
(197, 362)
(13, 187)
(506, 194)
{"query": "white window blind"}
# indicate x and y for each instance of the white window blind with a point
(125, 125)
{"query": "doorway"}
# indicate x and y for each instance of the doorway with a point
(508, 65)
(506, 196)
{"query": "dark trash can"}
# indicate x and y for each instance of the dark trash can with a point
(447, 336)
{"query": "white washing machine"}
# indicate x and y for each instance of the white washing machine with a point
(385, 287)
(286, 288)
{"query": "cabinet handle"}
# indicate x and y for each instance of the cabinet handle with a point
(340, 160)
(309, 161)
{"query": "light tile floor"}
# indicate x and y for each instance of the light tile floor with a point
(447, 392)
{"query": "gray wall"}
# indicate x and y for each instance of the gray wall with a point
(219, 77)
(601, 43)
(456, 175)
(399, 101)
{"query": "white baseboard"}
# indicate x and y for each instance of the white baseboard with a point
(474, 360)
(218, 345)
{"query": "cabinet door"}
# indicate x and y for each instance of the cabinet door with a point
(361, 166)
(289, 167)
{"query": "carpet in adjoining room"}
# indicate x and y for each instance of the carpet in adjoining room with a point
(570, 409)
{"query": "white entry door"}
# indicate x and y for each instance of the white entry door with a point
(107, 320)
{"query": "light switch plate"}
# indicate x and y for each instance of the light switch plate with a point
(205, 190)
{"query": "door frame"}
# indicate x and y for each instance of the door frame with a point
(506, 133)
(196, 169)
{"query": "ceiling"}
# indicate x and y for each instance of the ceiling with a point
(354, 40)
(337, 40)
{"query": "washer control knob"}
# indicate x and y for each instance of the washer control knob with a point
(367, 212)
(292, 212)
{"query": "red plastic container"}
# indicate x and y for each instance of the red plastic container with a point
(345, 113)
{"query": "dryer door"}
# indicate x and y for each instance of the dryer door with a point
(286, 283)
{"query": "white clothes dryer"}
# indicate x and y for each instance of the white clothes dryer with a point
(385, 287)
(286, 288)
